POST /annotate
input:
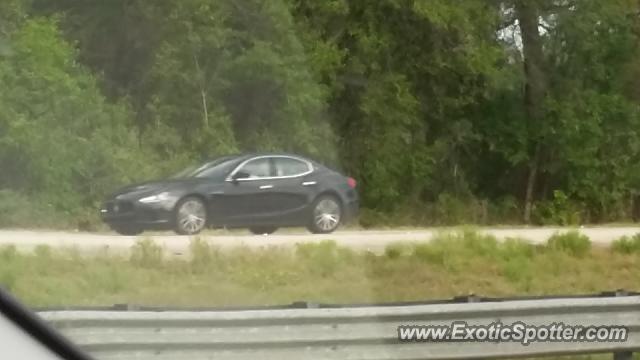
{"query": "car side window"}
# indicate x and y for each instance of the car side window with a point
(290, 167)
(255, 169)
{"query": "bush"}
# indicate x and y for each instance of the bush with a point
(64, 157)
(572, 242)
(203, 255)
(452, 210)
(371, 218)
(448, 209)
(516, 248)
(323, 258)
(627, 245)
(8, 270)
(480, 244)
(517, 269)
(145, 253)
(505, 211)
(395, 251)
(20, 211)
(429, 253)
(457, 245)
(559, 211)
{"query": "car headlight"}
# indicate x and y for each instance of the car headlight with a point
(162, 197)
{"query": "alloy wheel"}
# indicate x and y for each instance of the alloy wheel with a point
(326, 215)
(192, 216)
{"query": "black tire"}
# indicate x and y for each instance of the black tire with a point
(329, 206)
(190, 216)
(127, 230)
(263, 230)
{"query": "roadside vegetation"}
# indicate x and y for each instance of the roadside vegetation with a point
(454, 263)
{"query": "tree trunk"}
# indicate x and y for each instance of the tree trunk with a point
(535, 90)
(205, 108)
(203, 94)
(531, 183)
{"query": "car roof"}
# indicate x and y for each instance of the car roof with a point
(245, 156)
(274, 154)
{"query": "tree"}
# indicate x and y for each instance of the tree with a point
(242, 66)
(525, 107)
(411, 73)
(60, 141)
(535, 91)
(595, 120)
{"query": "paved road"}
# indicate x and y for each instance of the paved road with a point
(362, 240)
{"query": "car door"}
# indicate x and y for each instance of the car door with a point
(294, 188)
(246, 198)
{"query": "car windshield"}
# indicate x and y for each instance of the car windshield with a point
(215, 168)
(188, 172)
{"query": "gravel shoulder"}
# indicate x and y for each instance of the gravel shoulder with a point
(372, 240)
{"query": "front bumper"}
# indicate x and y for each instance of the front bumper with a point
(121, 212)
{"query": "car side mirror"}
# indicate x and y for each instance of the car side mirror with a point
(239, 175)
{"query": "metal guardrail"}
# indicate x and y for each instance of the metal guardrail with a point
(357, 332)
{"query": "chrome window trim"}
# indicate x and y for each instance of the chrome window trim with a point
(309, 167)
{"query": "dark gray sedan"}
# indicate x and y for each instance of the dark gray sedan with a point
(261, 192)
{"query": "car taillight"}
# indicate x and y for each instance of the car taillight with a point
(352, 182)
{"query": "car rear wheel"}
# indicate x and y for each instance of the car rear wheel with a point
(326, 215)
(190, 216)
(127, 230)
(263, 230)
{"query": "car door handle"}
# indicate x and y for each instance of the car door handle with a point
(309, 183)
(265, 187)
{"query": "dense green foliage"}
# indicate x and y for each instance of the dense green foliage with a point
(489, 111)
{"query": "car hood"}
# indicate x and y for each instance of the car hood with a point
(150, 187)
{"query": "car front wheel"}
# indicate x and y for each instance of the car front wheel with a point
(191, 216)
(326, 215)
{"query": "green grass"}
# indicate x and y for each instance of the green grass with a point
(627, 245)
(571, 242)
(454, 263)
